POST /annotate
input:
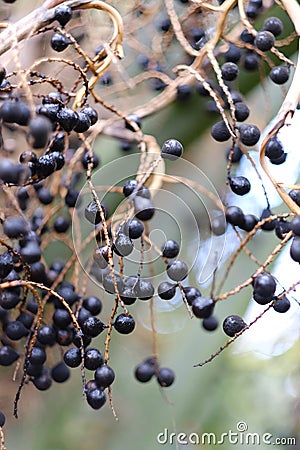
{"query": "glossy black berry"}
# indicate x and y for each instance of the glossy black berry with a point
(220, 131)
(109, 283)
(72, 357)
(295, 249)
(67, 118)
(240, 185)
(90, 160)
(229, 71)
(61, 318)
(281, 305)
(264, 40)
(83, 123)
(191, 293)
(235, 216)
(93, 358)
(129, 187)
(165, 376)
(93, 304)
(143, 208)
(233, 54)
(38, 356)
(203, 307)
(210, 323)
(171, 149)
(39, 131)
(249, 134)
(104, 376)
(170, 249)
(280, 74)
(177, 270)
(93, 326)
(8, 355)
(91, 113)
(241, 113)
(270, 225)
(2, 419)
(274, 148)
(59, 42)
(61, 224)
(249, 222)
(144, 372)
(264, 286)
(46, 335)
(15, 227)
(60, 372)
(166, 290)
(15, 330)
(274, 25)
(124, 323)
(233, 325)
(42, 382)
(63, 14)
(135, 228)
(96, 398)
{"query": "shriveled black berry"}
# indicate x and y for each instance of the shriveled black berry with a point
(144, 372)
(6, 264)
(166, 290)
(249, 134)
(282, 228)
(93, 161)
(92, 212)
(123, 245)
(210, 323)
(220, 131)
(233, 325)
(109, 283)
(240, 185)
(144, 289)
(93, 326)
(59, 42)
(72, 357)
(93, 358)
(63, 14)
(67, 118)
(229, 71)
(170, 249)
(282, 304)
(165, 376)
(96, 398)
(264, 40)
(177, 270)
(203, 307)
(104, 376)
(124, 323)
(60, 372)
(171, 149)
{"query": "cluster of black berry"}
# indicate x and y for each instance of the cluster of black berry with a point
(41, 307)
